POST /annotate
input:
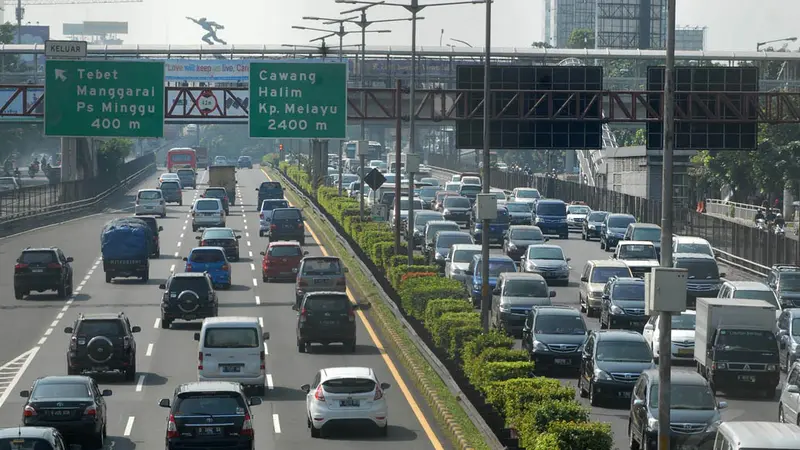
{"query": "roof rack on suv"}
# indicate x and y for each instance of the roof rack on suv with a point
(785, 267)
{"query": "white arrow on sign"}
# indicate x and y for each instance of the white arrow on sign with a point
(60, 75)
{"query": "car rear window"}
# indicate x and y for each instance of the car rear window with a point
(602, 274)
(100, 328)
(218, 234)
(318, 303)
(60, 390)
(551, 209)
(269, 205)
(525, 288)
(216, 192)
(286, 214)
(20, 443)
(322, 266)
(269, 185)
(349, 386)
(235, 337)
(209, 403)
(149, 195)
(284, 250)
(43, 257)
(449, 240)
(207, 205)
(198, 285)
(170, 185)
(207, 256)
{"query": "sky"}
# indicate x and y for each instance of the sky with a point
(732, 24)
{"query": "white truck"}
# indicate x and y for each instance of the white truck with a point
(735, 346)
(639, 256)
(391, 161)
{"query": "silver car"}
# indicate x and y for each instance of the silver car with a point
(319, 273)
(151, 202)
(457, 261)
(207, 213)
(514, 296)
(548, 261)
(265, 214)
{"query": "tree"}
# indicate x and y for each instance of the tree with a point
(629, 138)
(232, 141)
(111, 155)
(540, 44)
(581, 38)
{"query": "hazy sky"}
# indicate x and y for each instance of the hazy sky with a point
(732, 24)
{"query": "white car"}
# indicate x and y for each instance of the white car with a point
(169, 177)
(150, 201)
(232, 349)
(345, 394)
(691, 244)
(576, 215)
(682, 335)
(525, 195)
(207, 213)
(472, 181)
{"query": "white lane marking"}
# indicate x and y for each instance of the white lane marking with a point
(149, 350)
(252, 267)
(157, 323)
(87, 277)
(250, 253)
(248, 243)
(276, 423)
(179, 243)
(270, 386)
(140, 383)
(83, 282)
(48, 332)
(69, 302)
(172, 268)
(261, 321)
(16, 368)
(266, 349)
(184, 228)
(60, 316)
(42, 341)
(246, 234)
(77, 289)
(244, 220)
(255, 282)
(258, 300)
(128, 426)
(54, 324)
(65, 308)
(176, 254)
(181, 235)
(89, 273)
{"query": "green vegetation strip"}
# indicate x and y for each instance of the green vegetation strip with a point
(449, 414)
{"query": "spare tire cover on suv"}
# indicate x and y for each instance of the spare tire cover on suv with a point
(188, 301)
(100, 349)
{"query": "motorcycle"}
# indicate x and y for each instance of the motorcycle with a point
(761, 224)
(17, 175)
(780, 230)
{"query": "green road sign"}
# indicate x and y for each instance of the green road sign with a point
(298, 100)
(104, 98)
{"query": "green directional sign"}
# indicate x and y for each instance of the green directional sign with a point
(104, 98)
(298, 100)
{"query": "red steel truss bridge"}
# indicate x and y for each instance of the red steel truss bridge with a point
(24, 103)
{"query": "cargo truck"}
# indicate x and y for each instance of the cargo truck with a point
(735, 346)
(126, 245)
(224, 176)
(202, 157)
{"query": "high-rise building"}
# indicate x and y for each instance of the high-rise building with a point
(631, 24)
(690, 38)
(562, 17)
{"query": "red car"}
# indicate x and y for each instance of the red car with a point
(281, 260)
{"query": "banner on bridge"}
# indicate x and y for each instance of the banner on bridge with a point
(19, 105)
(217, 70)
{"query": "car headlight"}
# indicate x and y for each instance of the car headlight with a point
(601, 375)
(652, 424)
(598, 294)
(538, 220)
(616, 310)
(446, 212)
(772, 367)
(721, 366)
(712, 427)
(505, 309)
(540, 347)
(592, 227)
(439, 256)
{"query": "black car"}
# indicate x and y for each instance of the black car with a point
(623, 304)
(287, 225)
(611, 363)
(152, 223)
(171, 192)
(326, 317)
(219, 193)
(554, 337)
(74, 405)
(102, 343)
(42, 269)
(614, 228)
(520, 213)
(35, 438)
(221, 237)
(188, 296)
(785, 281)
(704, 278)
(268, 190)
(245, 162)
(456, 209)
(210, 414)
(519, 238)
(593, 225)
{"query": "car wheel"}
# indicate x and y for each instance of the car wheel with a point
(303, 240)
(583, 393)
(18, 294)
(98, 440)
(165, 323)
(781, 418)
(108, 277)
(603, 325)
(633, 444)
(265, 279)
(384, 430)
(581, 305)
(602, 244)
(70, 287)
(351, 346)
(315, 433)
(593, 399)
(194, 229)
(130, 372)
(301, 346)
(62, 291)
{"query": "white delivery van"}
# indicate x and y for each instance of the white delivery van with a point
(757, 436)
(232, 349)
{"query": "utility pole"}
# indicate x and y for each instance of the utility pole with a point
(486, 295)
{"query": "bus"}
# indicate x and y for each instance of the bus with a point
(180, 158)
(375, 150)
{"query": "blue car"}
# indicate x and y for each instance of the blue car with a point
(497, 265)
(551, 217)
(497, 228)
(213, 261)
(614, 230)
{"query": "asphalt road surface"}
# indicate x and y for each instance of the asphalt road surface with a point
(34, 344)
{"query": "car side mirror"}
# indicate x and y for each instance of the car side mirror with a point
(136, 329)
(496, 291)
(584, 279)
(69, 259)
(638, 403)
(238, 236)
(469, 272)
(447, 260)
(254, 401)
(185, 258)
(106, 393)
(793, 389)
(164, 403)
(266, 335)
(262, 253)
(306, 388)
(569, 259)
(160, 228)
(552, 294)
(162, 286)
(385, 386)
(723, 275)
(547, 239)
(198, 237)
(68, 330)
(24, 394)
(256, 189)
(724, 405)
(197, 337)
(614, 256)
(305, 253)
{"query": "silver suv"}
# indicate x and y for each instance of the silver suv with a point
(207, 213)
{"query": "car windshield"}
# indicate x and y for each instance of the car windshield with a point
(432, 230)
(219, 234)
(498, 267)
(185, 172)
(629, 292)
(269, 185)
(198, 285)
(546, 253)
(269, 205)
(34, 257)
(686, 396)
(7, 181)
(470, 189)
(637, 351)
(44, 391)
(180, 157)
(502, 217)
(421, 220)
(637, 251)
(704, 249)
(527, 235)
(233, 337)
(456, 202)
(796, 327)
(699, 270)
(24, 443)
(528, 193)
(753, 340)
(620, 222)
(765, 295)
(464, 256)
(499, 195)
(432, 181)
(149, 195)
(322, 266)
(207, 256)
(429, 191)
(684, 322)
(551, 209)
(207, 205)
(405, 204)
(449, 240)
(216, 193)
(789, 282)
(525, 288)
(470, 180)
(559, 324)
(94, 328)
(597, 216)
(578, 209)
(602, 274)
(286, 214)
(349, 386)
(202, 404)
(647, 234)
(519, 207)
(284, 250)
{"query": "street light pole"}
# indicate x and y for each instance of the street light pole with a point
(761, 44)
(486, 296)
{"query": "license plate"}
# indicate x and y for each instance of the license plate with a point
(209, 431)
(349, 403)
(328, 322)
(231, 369)
(100, 369)
(37, 270)
(625, 394)
(562, 361)
(747, 378)
(685, 351)
(59, 413)
(319, 280)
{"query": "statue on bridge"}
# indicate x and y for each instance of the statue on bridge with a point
(212, 28)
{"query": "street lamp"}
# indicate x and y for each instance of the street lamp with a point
(761, 44)
(341, 33)
(414, 8)
(461, 42)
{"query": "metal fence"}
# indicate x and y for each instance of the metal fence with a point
(34, 199)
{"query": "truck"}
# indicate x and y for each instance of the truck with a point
(125, 245)
(735, 346)
(224, 176)
(391, 161)
(202, 157)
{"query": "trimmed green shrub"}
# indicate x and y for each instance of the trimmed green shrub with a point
(492, 339)
(459, 336)
(546, 441)
(582, 435)
(501, 371)
(395, 274)
(410, 275)
(400, 260)
(415, 294)
(437, 307)
(492, 354)
(441, 329)
(513, 397)
(538, 418)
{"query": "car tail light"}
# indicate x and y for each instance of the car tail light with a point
(378, 393)
(188, 267)
(261, 216)
(263, 360)
(203, 243)
(300, 225)
(54, 266)
(73, 343)
(90, 411)
(225, 267)
(247, 426)
(199, 360)
(273, 227)
(19, 267)
(351, 315)
(319, 395)
(29, 411)
(303, 315)
(172, 428)
(341, 281)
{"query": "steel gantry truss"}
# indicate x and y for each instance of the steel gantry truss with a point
(232, 105)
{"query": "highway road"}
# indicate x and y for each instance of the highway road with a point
(35, 345)
(740, 408)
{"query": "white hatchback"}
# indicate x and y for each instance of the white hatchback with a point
(150, 201)
(345, 395)
(207, 213)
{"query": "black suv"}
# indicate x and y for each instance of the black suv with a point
(785, 281)
(554, 337)
(152, 223)
(245, 162)
(188, 296)
(42, 269)
(268, 190)
(102, 343)
(73, 405)
(210, 414)
(287, 225)
(611, 363)
(219, 193)
(326, 317)
(36, 438)
(623, 304)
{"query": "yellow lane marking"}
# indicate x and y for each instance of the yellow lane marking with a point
(423, 421)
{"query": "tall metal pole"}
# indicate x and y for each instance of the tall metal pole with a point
(412, 135)
(339, 163)
(486, 295)
(398, 108)
(665, 320)
(410, 224)
(19, 21)
(362, 66)
(361, 160)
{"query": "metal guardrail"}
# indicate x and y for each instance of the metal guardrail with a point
(732, 210)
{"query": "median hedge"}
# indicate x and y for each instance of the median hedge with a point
(543, 412)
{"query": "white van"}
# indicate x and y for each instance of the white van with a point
(232, 349)
(757, 436)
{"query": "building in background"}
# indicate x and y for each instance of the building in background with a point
(98, 33)
(631, 24)
(690, 38)
(30, 35)
(562, 17)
